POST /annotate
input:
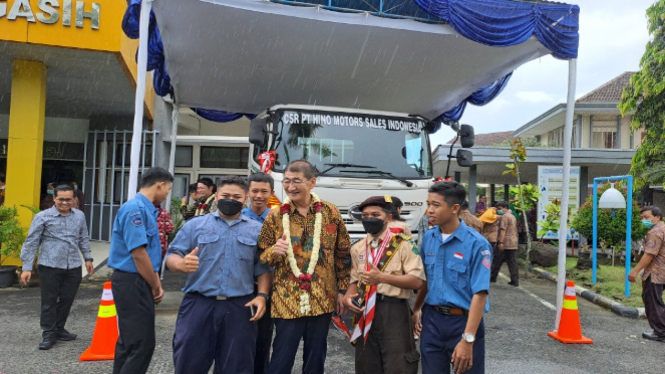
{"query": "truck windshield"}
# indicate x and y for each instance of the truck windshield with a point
(395, 145)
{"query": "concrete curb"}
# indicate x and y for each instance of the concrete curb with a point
(605, 302)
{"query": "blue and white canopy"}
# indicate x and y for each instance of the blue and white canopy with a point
(426, 57)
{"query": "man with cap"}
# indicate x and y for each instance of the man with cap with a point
(386, 268)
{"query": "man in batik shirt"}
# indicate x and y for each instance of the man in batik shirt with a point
(304, 294)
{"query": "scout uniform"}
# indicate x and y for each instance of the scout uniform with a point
(135, 226)
(399, 227)
(389, 346)
(213, 312)
(653, 278)
(457, 267)
(509, 253)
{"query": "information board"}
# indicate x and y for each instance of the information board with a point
(550, 186)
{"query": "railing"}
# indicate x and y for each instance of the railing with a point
(401, 9)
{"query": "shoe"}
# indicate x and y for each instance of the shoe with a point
(47, 343)
(514, 284)
(492, 280)
(653, 336)
(65, 335)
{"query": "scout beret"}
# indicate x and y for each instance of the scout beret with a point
(380, 201)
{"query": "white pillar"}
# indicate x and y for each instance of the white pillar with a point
(142, 64)
(563, 230)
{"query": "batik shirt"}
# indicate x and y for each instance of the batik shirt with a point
(472, 221)
(654, 244)
(331, 274)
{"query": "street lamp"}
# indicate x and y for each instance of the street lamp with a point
(612, 199)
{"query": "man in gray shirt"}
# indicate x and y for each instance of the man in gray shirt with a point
(59, 232)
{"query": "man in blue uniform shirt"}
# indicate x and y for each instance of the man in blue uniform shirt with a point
(261, 188)
(217, 318)
(136, 256)
(449, 307)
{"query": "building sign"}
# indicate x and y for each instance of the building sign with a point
(376, 122)
(51, 12)
(54, 151)
(550, 186)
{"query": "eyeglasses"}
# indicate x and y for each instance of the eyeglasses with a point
(295, 182)
(62, 200)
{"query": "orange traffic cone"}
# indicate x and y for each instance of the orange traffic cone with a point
(570, 328)
(106, 330)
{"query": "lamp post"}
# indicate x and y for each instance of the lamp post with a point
(613, 199)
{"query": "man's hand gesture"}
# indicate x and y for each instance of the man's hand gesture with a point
(191, 262)
(282, 246)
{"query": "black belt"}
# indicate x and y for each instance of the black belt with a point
(450, 311)
(389, 299)
(218, 297)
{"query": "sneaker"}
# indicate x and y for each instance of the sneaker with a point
(65, 335)
(653, 336)
(514, 284)
(47, 343)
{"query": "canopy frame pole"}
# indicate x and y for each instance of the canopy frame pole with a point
(563, 226)
(175, 118)
(142, 64)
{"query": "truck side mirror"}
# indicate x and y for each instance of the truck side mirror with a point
(257, 131)
(464, 158)
(467, 136)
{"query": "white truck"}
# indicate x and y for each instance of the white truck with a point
(357, 154)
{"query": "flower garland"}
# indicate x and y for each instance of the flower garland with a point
(305, 278)
(201, 207)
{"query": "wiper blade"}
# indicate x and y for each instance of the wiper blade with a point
(332, 166)
(379, 172)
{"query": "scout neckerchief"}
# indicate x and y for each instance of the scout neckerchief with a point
(374, 257)
(201, 208)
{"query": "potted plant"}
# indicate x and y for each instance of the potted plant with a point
(12, 236)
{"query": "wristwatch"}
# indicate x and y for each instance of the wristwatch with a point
(469, 338)
(263, 295)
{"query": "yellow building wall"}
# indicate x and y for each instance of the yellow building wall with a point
(26, 138)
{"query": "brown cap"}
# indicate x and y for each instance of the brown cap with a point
(380, 201)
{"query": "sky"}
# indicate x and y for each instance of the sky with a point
(613, 36)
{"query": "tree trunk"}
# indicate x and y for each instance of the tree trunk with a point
(526, 222)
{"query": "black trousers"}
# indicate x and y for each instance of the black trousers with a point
(314, 333)
(509, 256)
(390, 346)
(135, 306)
(652, 295)
(263, 341)
(59, 287)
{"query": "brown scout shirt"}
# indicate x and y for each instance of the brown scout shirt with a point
(654, 244)
(472, 221)
(509, 223)
(400, 225)
(406, 260)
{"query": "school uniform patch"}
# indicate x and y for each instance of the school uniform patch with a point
(486, 252)
(360, 257)
(459, 255)
(137, 222)
(487, 262)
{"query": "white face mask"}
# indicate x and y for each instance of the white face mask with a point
(76, 187)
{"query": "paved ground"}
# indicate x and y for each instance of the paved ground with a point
(517, 329)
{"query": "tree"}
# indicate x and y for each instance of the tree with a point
(611, 227)
(527, 142)
(518, 155)
(645, 98)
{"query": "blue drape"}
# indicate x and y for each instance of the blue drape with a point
(502, 23)
(220, 115)
(496, 23)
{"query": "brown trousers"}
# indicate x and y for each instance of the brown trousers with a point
(390, 346)
(652, 295)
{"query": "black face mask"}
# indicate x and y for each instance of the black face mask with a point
(373, 225)
(229, 207)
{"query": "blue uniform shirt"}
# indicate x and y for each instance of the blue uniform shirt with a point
(135, 226)
(456, 269)
(250, 213)
(228, 255)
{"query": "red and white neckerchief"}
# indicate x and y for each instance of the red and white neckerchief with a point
(373, 257)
